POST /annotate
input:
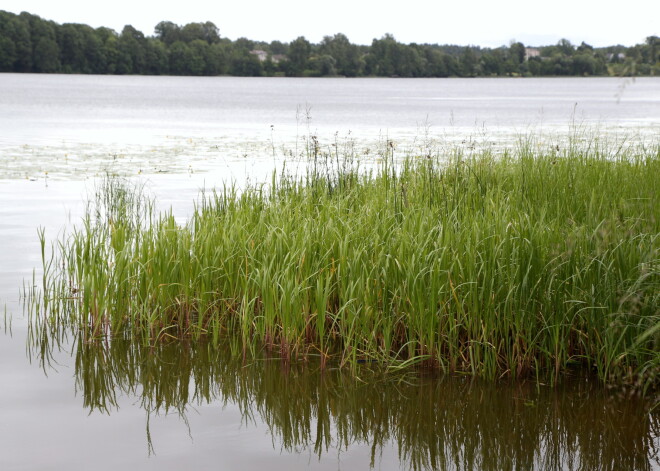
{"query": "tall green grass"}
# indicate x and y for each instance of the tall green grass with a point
(525, 263)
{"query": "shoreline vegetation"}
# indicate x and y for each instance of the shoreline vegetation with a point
(531, 263)
(30, 44)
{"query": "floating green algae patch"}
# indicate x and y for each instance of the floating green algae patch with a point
(526, 263)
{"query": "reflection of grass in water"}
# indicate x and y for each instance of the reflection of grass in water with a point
(451, 423)
(528, 263)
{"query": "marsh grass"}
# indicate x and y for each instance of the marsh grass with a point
(524, 263)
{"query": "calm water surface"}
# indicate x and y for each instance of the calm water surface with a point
(80, 125)
(70, 405)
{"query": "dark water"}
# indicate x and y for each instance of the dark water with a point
(73, 406)
(407, 421)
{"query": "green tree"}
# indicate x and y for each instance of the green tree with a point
(585, 48)
(104, 34)
(299, 51)
(534, 66)
(7, 54)
(412, 62)
(345, 55)
(468, 62)
(565, 47)
(583, 64)
(244, 44)
(435, 62)
(180, 58)
(17, 30)
(157, 61)
(93, 50)
(323, 66)
(192, 32)
(218, 59)
(211, 33)
(649, 50)
(110, 48)
(132, 54)
(72, 52)
(269, 67)
(517, 52)
(278, 47)
(81, 50)
(244, 64)
(207, 32)
(45, 51)
(451, 65)
(168, 32)
(199, 52)
(492, 63)
(46, 56)
(383, 56)
(387, 58)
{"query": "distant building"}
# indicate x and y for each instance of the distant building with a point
(532, 52)
(263, 56)
(619, 56)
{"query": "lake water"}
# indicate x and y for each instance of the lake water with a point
(182, 405)
(74, 126)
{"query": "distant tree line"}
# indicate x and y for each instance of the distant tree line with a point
(29, 43)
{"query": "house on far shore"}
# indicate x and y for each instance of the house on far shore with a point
(532, 52)
(263, 56)
(616, 57)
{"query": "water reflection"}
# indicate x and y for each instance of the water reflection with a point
(433, 423)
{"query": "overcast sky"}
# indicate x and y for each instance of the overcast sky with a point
(479, 22)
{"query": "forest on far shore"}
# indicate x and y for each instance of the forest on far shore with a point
(29, 43)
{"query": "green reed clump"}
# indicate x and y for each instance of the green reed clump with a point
(515, 264)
